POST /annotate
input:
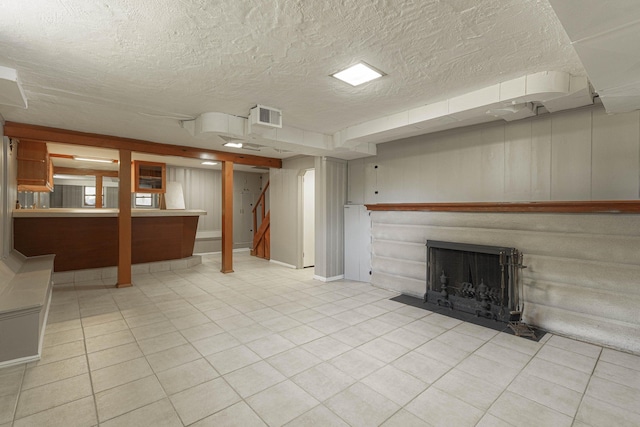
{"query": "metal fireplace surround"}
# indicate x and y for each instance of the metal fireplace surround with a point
(476, 279)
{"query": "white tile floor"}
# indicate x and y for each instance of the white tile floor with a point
(269, 345)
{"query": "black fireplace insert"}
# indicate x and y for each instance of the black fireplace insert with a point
(476, 279)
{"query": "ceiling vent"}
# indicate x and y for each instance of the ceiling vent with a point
(265, 116)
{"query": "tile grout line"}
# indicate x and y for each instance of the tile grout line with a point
(586, 388)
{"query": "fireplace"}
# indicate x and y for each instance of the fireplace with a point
(476, 279)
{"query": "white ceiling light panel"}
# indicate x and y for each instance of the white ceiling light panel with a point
(358, 74)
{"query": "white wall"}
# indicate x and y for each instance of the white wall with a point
(8, 192)
(583, 268)
(285, 196)
(577, 155)
(331, 196)
(309, 219)
(202, 189)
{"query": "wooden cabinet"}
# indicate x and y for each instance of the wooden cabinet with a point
(35, 168)
(148, 177)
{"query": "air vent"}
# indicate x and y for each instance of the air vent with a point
(265, 116)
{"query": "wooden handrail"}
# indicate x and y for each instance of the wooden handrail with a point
(259, 234)
(260, 202)
(264, 190)
(260, 244)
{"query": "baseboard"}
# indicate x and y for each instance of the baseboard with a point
(328, 279)
(284, 264)
(44, 324)
(19, 361)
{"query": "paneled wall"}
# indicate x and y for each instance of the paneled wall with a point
(286, 223)
(582, 279)
(202, 190)
(67, 196)
(7, 192)
(577, 155)
(331, 189)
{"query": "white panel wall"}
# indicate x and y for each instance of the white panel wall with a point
(8, 192)
(357, 243)
(331, 196)
(571, 156)
(286, 224)
(202, 189)
(540, 160)
(576, 155)
(616, 155)
(5, 216)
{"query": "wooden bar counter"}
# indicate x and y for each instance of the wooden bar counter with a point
(88, 238)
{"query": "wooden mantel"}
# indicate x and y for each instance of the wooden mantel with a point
(595, 206)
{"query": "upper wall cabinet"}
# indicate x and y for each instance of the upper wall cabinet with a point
(148, 177)
(35, 168)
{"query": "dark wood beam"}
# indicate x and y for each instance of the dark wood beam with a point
(594, 206)
(124, 221)
(227, 217)
(48, 134)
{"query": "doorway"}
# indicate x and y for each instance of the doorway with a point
(308, 218)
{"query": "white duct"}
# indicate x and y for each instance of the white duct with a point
(511, 100)
(605, 36)
(11, 92)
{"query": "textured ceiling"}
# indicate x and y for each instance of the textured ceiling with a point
(133, 68)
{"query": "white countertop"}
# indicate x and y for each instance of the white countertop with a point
(94, 213)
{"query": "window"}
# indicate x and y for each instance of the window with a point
(89, 196)
(144, 200)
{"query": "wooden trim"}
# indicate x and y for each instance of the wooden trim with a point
(594, 206)
(92, 172)
(227, 217)
(98, 191)
(48, 134)
(124, 221)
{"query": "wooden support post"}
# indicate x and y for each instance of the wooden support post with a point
(124, 221)
(227, 217)
(99, 201)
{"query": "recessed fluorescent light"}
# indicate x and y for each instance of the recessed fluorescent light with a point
(92, 159)
(209, 163)
(232, 144)
(254, 147)
(358, 74)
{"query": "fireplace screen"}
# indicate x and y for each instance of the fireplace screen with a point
(473, 278)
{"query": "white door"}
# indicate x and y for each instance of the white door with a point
(309, 219)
